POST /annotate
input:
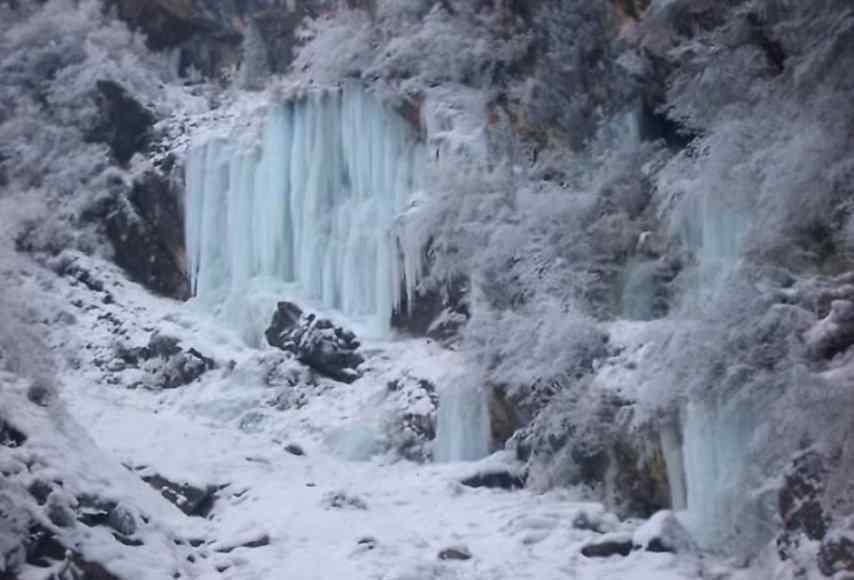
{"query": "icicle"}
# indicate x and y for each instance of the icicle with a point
(317, 208)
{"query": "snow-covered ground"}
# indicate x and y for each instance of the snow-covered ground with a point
(320, 515)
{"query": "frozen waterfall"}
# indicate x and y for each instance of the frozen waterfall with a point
(463, 425)
(709, 457)
(309, 214)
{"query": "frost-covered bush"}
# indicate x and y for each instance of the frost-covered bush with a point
(578, 83)
(51, 61)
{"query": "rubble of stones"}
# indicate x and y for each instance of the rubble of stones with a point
(169, 364)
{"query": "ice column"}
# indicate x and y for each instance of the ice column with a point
(312, 209)
(717, 438)
(463, 426)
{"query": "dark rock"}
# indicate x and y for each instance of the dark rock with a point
(42, 547)
(41, 392)
(146, 229)
(437, 313)
(81, 569)
(9, 436)
(39, 490)
(504, 421)
(502, 479)
(836, 555)
(455, 553)
(123, 124)
(294, 449)
(318, 343)
(800, 503)
(641, 485)
(800, 497)
(193, 501)
(609, 545)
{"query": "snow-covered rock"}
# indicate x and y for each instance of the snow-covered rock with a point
(316, 342)
(663, 532)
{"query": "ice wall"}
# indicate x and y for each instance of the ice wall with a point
(463, 425)
(310, 212)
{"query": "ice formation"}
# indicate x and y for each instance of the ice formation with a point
(312, 212)
(463, 425)
(717, 432)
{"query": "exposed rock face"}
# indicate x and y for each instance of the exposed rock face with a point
(439, 314)
(601, 451)
(208, 33)
(124, 124)
(503, 418)
(801, 510)
(146, 228)
(318, 343)
(800, 501)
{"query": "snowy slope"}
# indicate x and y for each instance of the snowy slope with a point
(320, 515)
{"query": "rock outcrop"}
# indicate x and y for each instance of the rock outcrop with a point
(316, 342)
(439, 314)
(146, 228)
(123, 123)
(208, 34)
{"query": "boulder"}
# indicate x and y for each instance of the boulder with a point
(316, 342)
(460, 553)
(496, 479)
(609, 545)
(294, 449)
